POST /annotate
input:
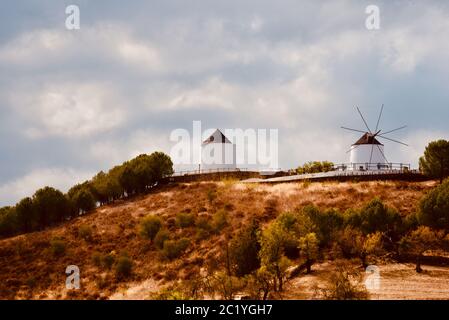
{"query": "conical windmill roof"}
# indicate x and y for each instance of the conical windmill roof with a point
(217, 137)
(367, 138)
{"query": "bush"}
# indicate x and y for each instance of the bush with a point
(345, 284)
(57, 247)
(184, 220)
(103, 260)
(219, 220)
(96, 258)
(211, 195)
(174, 248)
(160, 238)
(204, 228)
(85, 232)
(124, 266)
(150, 226)
(107, 261)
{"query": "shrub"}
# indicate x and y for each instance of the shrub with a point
(174, 248)
(204, 228)
(96, 258)
(211, 195)
(85, 232)
(107, 261)
(160, 238)
(124, 266)
(203, 223)
(184, 220)
(150, 226)
(219, 220)
(344, 284)
(57, 247)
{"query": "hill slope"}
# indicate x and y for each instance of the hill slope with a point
(29, 269)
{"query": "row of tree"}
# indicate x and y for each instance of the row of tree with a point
(315, 167)
(49, 206)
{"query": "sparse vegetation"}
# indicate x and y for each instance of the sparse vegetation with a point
(124, 266)
(161, 237)
(345, 283)
(57, 247)
(85, 232)
(172, 249)
(150, 226)
(185, 220)
(257, 244)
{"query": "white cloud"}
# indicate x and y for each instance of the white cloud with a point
(35, 46)
(70, 109)
(112, 152)
(60, 178)
(45, 47)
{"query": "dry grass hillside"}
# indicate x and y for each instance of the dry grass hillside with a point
(31, 268)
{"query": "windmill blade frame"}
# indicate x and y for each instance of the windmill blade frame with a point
(350, 129)
(394, 140)
(382, 153)
(361, 115)
(392, 130)
(378, 119)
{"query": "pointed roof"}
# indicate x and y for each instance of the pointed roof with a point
(367, 138)
(217, 137)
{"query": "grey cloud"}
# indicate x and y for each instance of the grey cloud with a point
(299, 66)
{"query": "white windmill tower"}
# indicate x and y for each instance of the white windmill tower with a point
(367, 153)
(218, 153)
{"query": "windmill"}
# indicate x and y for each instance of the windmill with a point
(367, 153)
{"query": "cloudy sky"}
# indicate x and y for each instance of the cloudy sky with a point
(74, 102)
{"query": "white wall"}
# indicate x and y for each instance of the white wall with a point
(361, 154)
(218, 156)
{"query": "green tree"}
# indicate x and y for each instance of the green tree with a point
(434, 208)
(82, 198)
(376, 216)
(51, 206)
(353, 243)
(308, 248)
(161, 166)
(419, 241)
(315, 167)
(8, 221)
(322, 222)
(244, 250)
(435, 161)
(272, 242)
(26, 215)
